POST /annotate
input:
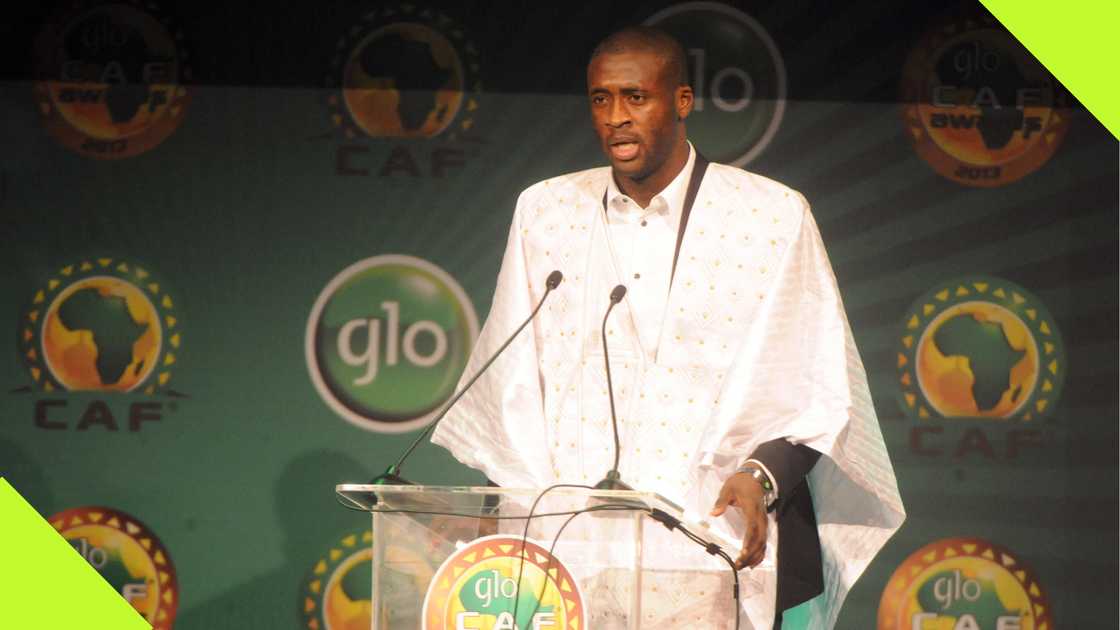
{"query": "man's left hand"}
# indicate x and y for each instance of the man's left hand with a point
(744, 492)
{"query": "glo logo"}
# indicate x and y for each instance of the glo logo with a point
(979, 108)
(500, 582)
(964, 584)
(387, 340)
(112, 77)
(738, 78)
(129, 555)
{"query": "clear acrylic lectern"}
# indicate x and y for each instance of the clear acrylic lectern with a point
(454, 557)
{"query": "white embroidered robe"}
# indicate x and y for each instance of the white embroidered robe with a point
(755, 346)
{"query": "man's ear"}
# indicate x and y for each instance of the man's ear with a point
(683, 101)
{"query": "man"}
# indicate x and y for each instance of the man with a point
(737, 381)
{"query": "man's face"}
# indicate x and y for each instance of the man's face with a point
(637, 111)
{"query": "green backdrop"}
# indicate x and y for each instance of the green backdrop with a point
(256, 197)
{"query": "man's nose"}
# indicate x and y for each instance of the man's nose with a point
(618, 114)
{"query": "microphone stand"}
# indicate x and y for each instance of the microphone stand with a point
(392, 475)
(613, 480)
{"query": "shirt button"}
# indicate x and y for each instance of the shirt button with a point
(637, 276)
(643, 222)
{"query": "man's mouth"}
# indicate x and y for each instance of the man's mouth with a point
(625, 150)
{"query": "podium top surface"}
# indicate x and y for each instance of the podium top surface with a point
(516, 503)
(414, 498)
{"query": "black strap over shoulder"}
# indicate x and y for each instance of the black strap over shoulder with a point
(699, 168)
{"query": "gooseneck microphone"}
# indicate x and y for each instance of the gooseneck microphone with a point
(392, 475)
(613, 480)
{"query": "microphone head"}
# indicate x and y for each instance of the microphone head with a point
(553, 279)
(618, 293)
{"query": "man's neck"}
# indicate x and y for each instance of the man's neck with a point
(642, 191)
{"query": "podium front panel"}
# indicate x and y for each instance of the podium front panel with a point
(472, 558)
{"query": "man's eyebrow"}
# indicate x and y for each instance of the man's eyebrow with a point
(625, 89)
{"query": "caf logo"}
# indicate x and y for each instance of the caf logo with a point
(387, 340)
(477, 587)
(964, 584)
(404, 72)
(128, 555)
(110, 78)
(104, 325)
(738, 78)
(978, 107)
(338, 590)
(979, 347)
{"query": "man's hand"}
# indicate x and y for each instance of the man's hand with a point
(744, 492)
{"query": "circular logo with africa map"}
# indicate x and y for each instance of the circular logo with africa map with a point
(337, 594)
(110, 78)
(979, 347)
(101, 324)
(478, 587)
(979, 108)
(128, 555)
(963, 584)
(404, 71)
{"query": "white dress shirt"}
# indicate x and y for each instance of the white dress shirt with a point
(643, 241)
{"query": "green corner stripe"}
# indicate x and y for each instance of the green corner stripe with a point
(45, 584)
(1077, 43)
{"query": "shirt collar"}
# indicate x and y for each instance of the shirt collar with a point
(668, 203)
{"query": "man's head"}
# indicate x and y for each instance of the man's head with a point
(638, 87)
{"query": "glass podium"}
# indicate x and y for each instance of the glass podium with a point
(496, 558)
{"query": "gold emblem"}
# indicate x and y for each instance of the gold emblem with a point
(128, 555)
(960, 584)
(101, 324)
(404, 72)
(477, 587)
(979, 347)
(978, 107)
(110, 78)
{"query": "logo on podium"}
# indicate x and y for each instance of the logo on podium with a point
(478, 587)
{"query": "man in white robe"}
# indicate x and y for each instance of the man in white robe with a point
(736, 377)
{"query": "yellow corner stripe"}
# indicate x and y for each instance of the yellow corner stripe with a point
(1075, 44)
(44, 557)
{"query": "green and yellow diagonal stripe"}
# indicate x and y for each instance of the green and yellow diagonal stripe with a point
(45, 584)
(1077, 44)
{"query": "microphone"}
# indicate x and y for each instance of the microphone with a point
(613, 480)
(392, 475)
(617, 294)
